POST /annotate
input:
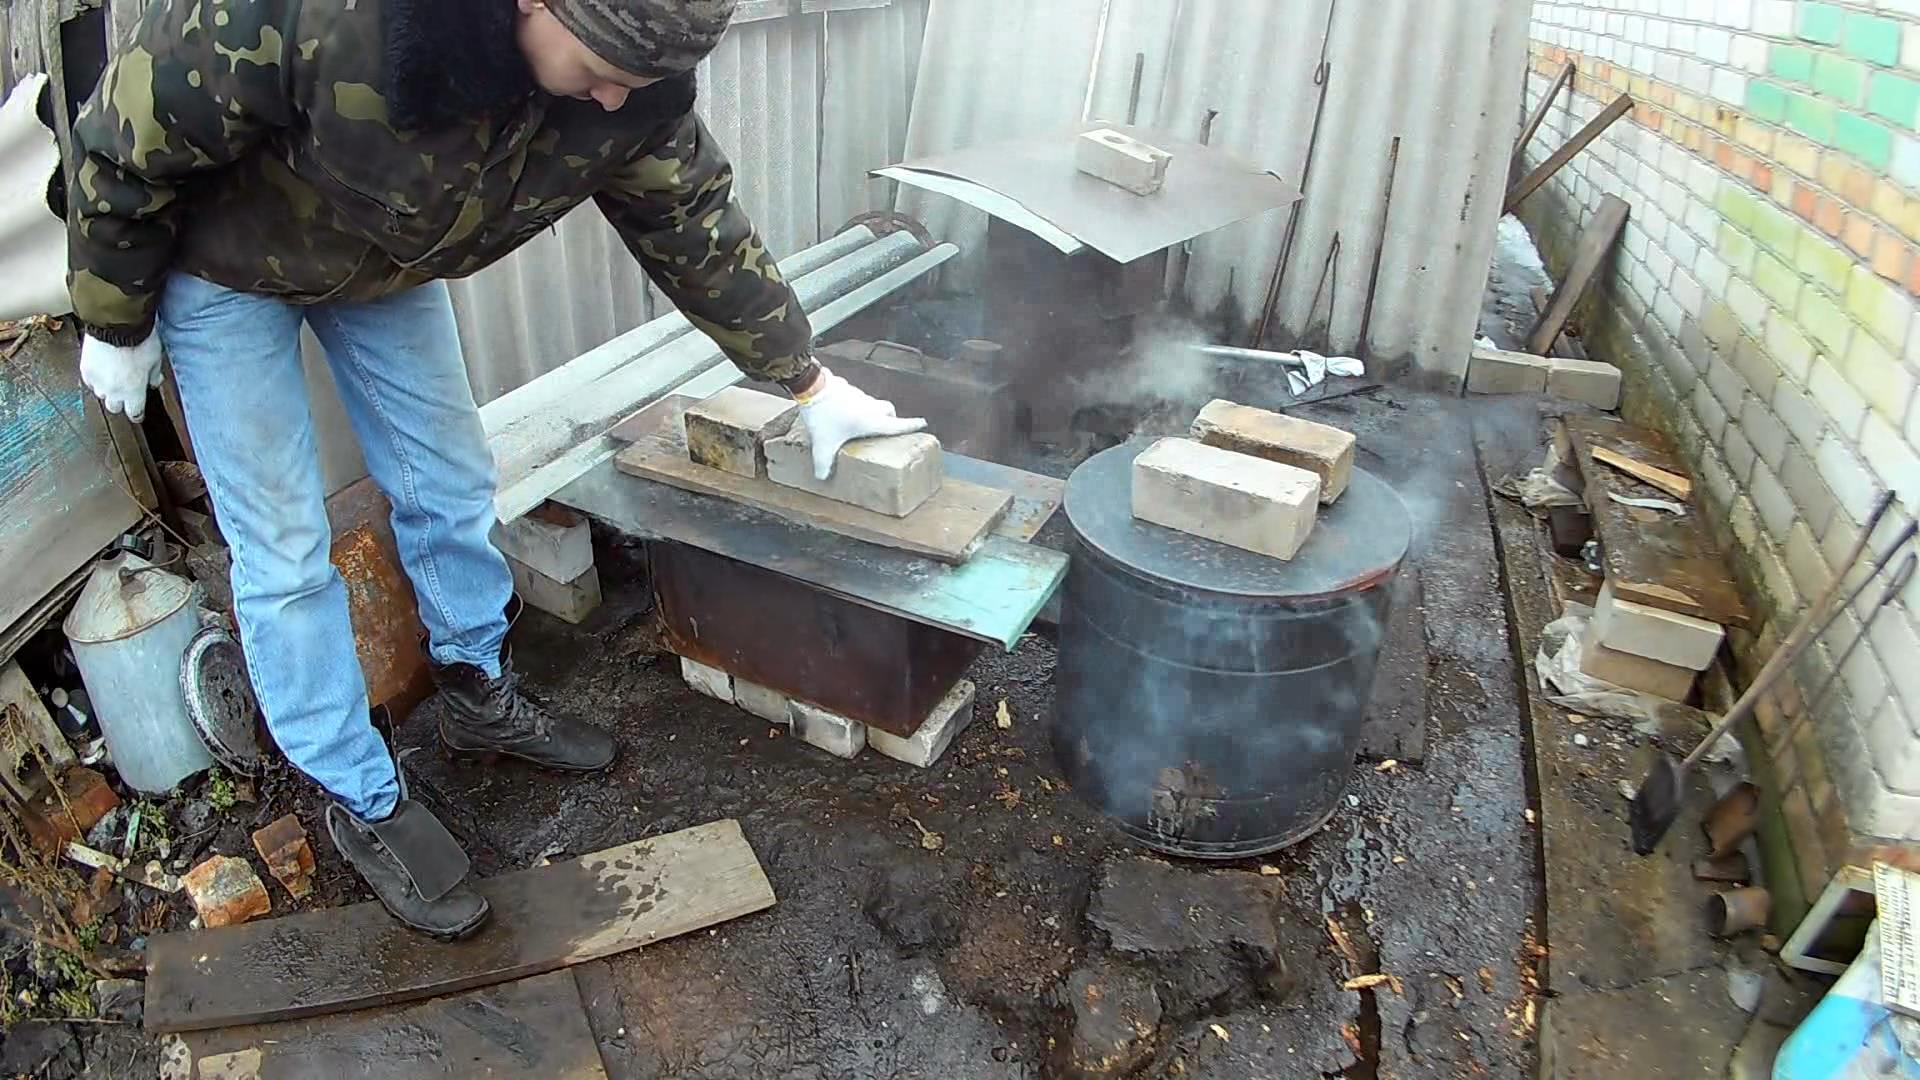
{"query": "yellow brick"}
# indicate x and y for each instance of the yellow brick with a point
(1688, 106)
(1797, 154)
(1640, 88)
(1833, 172)
(1620, 79)
(1880, 378)
(1725, 121)
(1754, 134)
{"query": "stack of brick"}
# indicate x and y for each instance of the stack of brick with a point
(1249, 478)
(1646, 648)
(1497, 371)
(1762, 302)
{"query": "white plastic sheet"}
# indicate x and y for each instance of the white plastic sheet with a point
(33, 242)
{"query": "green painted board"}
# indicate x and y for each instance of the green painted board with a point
(993, 596)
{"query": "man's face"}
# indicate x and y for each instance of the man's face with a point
(564, 67)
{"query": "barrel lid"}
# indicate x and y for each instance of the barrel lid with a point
(124, 595)
(1357, 540)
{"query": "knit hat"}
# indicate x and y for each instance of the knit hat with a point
(651, 38)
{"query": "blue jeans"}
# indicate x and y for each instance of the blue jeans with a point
(397, 363)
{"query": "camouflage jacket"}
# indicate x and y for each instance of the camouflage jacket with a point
(248, 142)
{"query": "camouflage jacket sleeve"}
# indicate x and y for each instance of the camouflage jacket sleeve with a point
(673, 206)
(200, 83)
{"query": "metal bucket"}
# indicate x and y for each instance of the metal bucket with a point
(129, 629)
(1210, 699)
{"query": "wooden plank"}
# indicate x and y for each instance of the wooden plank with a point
(1568, 344)
(1596, 241)
(1533, 181)
(1518, 161)
(1672, 483)
(544, 919)
(1652, 557)
(534, 1028)
(1035, 498)
(993, 596)
(947, 527)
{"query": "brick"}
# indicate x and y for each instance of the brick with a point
(226, 892)
(1634, 672)
(58, 818)
(710, 681)
(729, 430)
(1593, 382)
(551, 538)
(1759, 370)
(1906, 161)
(1893, 460)
(1803, 834)
(568, 601)
(1496, 371)
(1858, 234)
(1764, 430)
(1894, 637)
(1856, 185)
(1865, 139)
(1325, 451)
(829, 731)
(1891, 256)
(1910, 48)
(1885, 384)
(1871, 37)
(1792, 63)
(891, 476)
(1122, 161)
(1649, 632)
(1246, 502)
(1810, 493)
(1811, 117)
(283, 846)
(1707, 408)
(1729, 86)
(1884, 309)
(1837, 398)
(1773, 18)
(1852, 483)
(1778, 281)
(1804, 561)
(1795, 153)
(1772, 503)
(1894, 98)
(1827, 264)
(1738, 251)
(1838, 78)
(1777, 229)
(1824, 322)
(767, 704)
(947, 720)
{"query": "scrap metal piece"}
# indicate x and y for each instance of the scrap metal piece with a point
(220, 700)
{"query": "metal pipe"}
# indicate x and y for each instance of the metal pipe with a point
(563, 382)
(1379, 253)
(1099, 52)
(1323, 78)
(1234, 352)
(1133, 97)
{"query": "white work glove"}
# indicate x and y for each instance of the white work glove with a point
(836, 412)
(120, 375)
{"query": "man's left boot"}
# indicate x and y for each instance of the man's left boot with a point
(486, 716)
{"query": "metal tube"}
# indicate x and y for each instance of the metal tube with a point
(566, 380)
(1234, 352)
(1099, 51)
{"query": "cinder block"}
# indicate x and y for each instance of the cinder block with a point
(1122, 161)
(729, 430)
(1243, 501)
(947, 720)
(1592, 382)
(831, 732)
(710, 681)
(892, 475)
(1650, 632)
(1496, 371)
(551, 539)
(770, 705)
(1634, 672)
(1322, 450)
(570, 601)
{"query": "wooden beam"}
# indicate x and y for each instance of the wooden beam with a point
(1620, 107)
(1670, 482)
(544, 919)
(1518, 161)
(1595, 242)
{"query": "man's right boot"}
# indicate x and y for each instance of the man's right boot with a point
(413, 864)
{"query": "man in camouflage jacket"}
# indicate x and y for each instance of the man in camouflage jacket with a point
(247, 166)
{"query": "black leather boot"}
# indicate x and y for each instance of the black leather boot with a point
(413, 864)
(487, 716)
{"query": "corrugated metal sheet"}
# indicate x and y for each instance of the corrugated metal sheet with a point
(1440, 74)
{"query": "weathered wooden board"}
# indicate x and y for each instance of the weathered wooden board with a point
(1652, 557)
(543, 919)
(993, 596)
(1596, 241)
(946, 527)
(533, 1028)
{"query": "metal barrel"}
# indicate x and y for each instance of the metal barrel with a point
(1210, 699)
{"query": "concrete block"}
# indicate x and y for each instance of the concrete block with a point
(1231, 498)
(1634, 672)
(831, 732)
(947, 720)
(226, 892)
(890, 476)
(710, 681)
(570, 601)
(1650, 632)
(1324, 451)
(729, 430)
(1122, 161)
(1496, 371)
(770, 705)
(551, 539)
(1593, 382)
